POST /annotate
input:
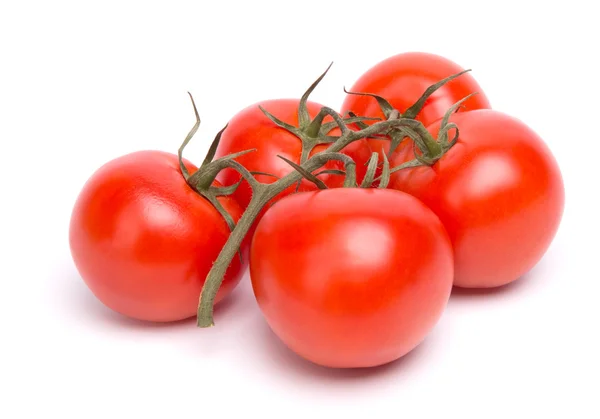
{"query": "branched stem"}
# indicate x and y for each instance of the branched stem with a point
(262, 194)
(432, 150)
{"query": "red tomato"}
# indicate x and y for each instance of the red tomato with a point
(351, 277)
(251, 129)
(498, 191)
(144, 241)
(403, 78)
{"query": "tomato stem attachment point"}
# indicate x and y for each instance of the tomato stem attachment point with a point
(312, 132)
(390, 113)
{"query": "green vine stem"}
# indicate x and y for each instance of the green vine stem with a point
(264, 193)
(384, 179)
(312, 132)
(371, 169)
(411, 113)
(202, 180)
(397, 135)
(425, 155)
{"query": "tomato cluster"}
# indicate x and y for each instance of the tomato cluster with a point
(355, 224)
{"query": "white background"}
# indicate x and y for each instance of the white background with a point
(84, 82)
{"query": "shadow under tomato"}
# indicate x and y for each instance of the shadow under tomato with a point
(527, 281)
(81, 303)
(285, 359)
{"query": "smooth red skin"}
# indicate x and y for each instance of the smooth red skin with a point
(144, 241)
(498, 191)
(251, 129)
(351, 277)
(402, 79)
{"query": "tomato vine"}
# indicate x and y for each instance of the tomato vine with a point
(311, 132)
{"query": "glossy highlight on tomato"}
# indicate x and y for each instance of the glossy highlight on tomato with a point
(351, 277)
(403, 78)
(143, 240)
(498, 191)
